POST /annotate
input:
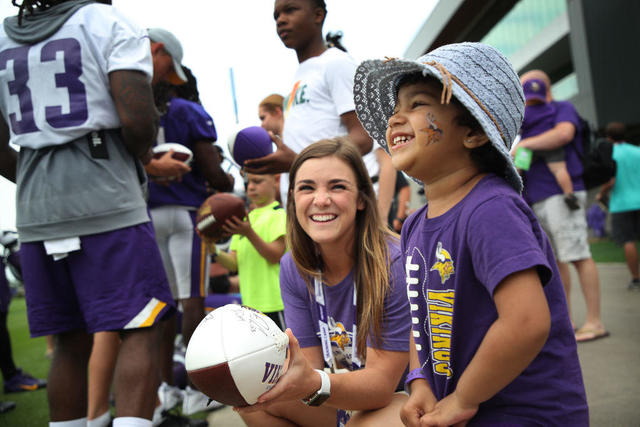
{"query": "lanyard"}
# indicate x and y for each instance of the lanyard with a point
(323, 323)
(342, 416)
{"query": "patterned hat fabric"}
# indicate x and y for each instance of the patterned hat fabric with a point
(477, 75)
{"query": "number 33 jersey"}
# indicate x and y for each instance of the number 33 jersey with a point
(57, 89)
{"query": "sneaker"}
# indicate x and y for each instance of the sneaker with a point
(571, 201)
(169, 396)
(21, 381)
(634, 285)
(196, 401)
(6, 406)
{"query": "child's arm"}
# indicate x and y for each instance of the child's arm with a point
(509, 346)
(421, 399)
(271, 251)
(228, 260)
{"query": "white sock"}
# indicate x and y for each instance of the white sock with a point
(78, 422)
(101, 421)
(131, 422)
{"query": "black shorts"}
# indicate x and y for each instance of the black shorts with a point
(625, 226)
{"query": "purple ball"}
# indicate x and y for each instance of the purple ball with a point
(249, 143)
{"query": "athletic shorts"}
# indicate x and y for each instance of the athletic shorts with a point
(566, 229)
(625, 226)
(184, 255)
(114, 282)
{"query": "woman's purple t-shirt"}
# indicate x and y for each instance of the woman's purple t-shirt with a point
(301, 314)
(454, 263)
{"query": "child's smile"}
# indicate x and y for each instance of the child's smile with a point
(424, 139)
(400, 140)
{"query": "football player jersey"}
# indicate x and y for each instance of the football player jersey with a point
(57, 89)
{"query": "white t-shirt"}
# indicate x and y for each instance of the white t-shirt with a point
(322, 92)
(67, 76)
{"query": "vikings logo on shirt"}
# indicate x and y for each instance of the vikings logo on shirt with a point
(341, 342)
(431, 309)
(444, 265)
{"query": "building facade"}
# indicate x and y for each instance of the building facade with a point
(589, 48)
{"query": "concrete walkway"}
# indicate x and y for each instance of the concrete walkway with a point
(611, 366)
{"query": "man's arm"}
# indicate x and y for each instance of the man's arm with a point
(559, 136)
(8, 156)
(356, 132)
(133, 97)
(277, 162)
(208, 161)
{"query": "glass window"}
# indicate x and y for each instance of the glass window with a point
(526, 20)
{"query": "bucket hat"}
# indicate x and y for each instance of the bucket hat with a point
(476, 74)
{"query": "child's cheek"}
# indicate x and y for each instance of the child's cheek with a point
(433, 131)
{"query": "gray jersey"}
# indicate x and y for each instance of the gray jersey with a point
(54, 93)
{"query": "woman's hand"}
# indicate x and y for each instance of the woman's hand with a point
(299, 380)
(421, 401)
(277, 162)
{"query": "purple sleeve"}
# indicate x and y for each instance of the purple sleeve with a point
(565, 112)
(297, 304)
(202, 127)
(505, 238)
(397, 317)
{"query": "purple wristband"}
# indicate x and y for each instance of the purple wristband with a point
(413, 375)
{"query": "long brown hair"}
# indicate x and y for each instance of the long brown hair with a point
(371, 258)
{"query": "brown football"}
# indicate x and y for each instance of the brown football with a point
(215, 211)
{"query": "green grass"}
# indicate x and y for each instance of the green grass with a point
(604, 250)
(28, 354)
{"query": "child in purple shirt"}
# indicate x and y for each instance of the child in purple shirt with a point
(539, 117)
(492, 343)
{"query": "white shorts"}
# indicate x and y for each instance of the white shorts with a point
(185, 258)
(566, 229)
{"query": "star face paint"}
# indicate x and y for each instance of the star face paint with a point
(433, 131)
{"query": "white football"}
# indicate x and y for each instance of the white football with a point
(180, 152)
(236, 354)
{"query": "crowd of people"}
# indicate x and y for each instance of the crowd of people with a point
(456, 312)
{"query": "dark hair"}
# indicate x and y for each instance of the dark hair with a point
(31, 5)
(321, 4)
(164, 91)
(486, 157)
(189, 90)
(334, 40)
(615, 131)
